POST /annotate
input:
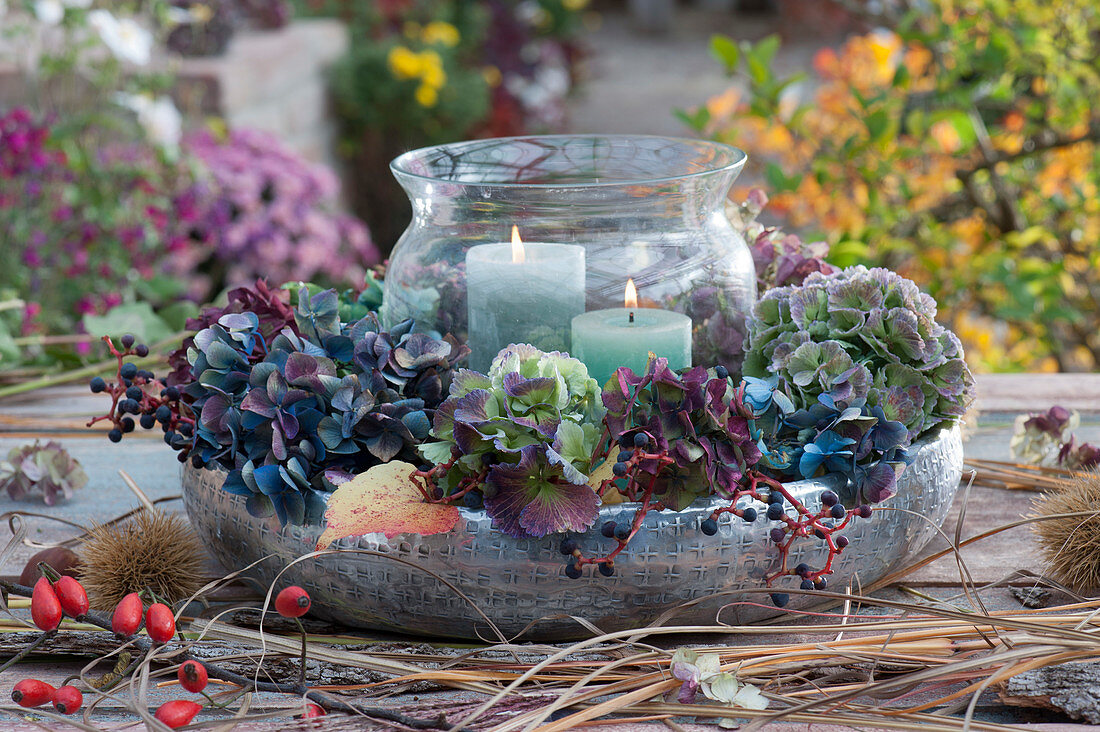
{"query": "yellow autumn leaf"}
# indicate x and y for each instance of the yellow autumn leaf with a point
(384, 499)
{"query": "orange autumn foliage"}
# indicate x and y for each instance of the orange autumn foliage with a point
(958, 148)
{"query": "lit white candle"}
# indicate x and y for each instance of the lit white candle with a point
(607, 339)
(522, 293)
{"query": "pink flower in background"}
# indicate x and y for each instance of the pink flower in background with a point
(262, 211)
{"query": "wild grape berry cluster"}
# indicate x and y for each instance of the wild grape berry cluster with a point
(633, 451)
(825, 524)
(139, 394)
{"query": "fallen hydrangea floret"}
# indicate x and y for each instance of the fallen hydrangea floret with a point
(702, 672)
(46, 469)
(1047, 439)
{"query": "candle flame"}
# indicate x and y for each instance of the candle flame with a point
(518, 255)
(630, 299)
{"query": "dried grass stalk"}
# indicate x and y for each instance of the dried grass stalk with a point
(1071, 544)
(152, 551)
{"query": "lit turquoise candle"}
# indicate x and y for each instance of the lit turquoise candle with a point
(607, 339)
(522, 292)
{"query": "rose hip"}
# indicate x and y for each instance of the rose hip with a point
(32, 693)
(127, 617)
(293, 602)
(68, 699)
(192, 676)
(73, 598)
(177, 713)
(160, 623)
(45, 607)
(312, 711)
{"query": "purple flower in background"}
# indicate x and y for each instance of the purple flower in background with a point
(262, 211)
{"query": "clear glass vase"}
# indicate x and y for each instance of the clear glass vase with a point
(649, 209)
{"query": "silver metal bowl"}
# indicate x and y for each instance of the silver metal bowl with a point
(451, 584)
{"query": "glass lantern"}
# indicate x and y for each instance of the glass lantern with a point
(589, 213)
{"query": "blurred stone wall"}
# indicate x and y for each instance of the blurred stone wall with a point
(273, 81)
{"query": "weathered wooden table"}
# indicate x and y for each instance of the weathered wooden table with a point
(60, 414)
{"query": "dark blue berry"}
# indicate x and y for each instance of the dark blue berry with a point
(141, 350)
(625, 441)
(135, 393)
(472, 500)
(821, 583)
(620, 469)
(780, 599)
(196, 460)
(172, 393)
(749, 514)
(98, 384)
(115, 435)
(709, 527)
(169, 436)
(802, 569)
(129, 405)
(622, 532)
(147, 375)
(147, 421)
(625, 455)
(641, 439)
(806, 585)
(568, 545)
(186, 429)
(128, 371)
(828, 498)
(776, 497)
(840, 541)
(722, 371)
(127, 424)
(127, 340)
(864, 511)
(838, 511)
(181, 457)
(607, 569)
(777, 535)
(775, 512)
(608, 529)
(819, 533)
(164, 414)
(572, 571)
